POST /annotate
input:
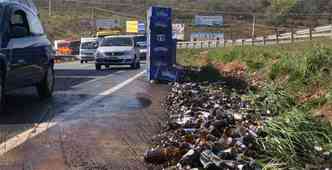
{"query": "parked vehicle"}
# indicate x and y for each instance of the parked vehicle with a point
(118, 50)
(88, 49)
(62, 47)
(74, 46)
(141, 43)
(26, 55)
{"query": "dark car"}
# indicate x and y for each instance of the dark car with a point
(26, 55)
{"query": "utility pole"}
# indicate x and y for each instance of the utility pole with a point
(50, 7)
(92, 13)
(253, 25)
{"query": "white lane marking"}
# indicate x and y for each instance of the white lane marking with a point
(21, 138)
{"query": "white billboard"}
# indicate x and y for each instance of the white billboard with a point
(209, 20)
(178, 31)
(203, 36)
(107, 23)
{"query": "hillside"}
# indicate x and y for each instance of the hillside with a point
(67, 14)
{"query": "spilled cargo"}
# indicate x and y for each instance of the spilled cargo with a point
(209, 127)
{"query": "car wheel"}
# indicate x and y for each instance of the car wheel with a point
(133, 66)
(98, 67)
(138, 65)
(46, 87)
(82, 61)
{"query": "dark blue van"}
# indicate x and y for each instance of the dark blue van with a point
(26, 55)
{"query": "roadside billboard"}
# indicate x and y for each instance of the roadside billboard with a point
(107, 23)
(178, 31)
(204, 36)
(212, 21)
(135, 27)
(141, 27)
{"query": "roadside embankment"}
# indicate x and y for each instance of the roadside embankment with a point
(269, 110)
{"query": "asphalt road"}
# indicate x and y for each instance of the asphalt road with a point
(96, 120)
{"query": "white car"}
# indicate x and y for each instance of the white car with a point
(118, 50)
(140, 41)
(88, 49)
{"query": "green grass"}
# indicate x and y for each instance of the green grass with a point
(298, 68)
(295, 138)
(291, 73)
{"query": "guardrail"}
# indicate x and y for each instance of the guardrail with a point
(300, 35)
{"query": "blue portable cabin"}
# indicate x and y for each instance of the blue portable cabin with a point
(161, 46)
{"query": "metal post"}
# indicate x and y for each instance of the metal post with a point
(253, 25)
(253, 41)
(50, 7)
(231, 33)
(242, 42)
(93, 13)
(310, 32)
(225, 43)
(264, 40)
(331, 25)
(292, 34)
(277, 35)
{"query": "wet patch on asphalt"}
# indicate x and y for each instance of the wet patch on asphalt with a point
(83, 72)
(65, 84)
(112, 134)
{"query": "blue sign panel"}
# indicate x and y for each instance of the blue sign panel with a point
(161, 46)
(141, 27)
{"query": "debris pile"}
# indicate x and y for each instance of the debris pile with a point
(209, 127)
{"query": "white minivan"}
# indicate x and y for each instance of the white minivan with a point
(88, 49)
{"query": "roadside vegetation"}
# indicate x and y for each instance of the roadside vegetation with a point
(292, 83)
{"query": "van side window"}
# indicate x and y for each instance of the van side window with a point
(19, 20)
(35, 25)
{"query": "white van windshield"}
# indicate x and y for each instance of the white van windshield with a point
(89, 45)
